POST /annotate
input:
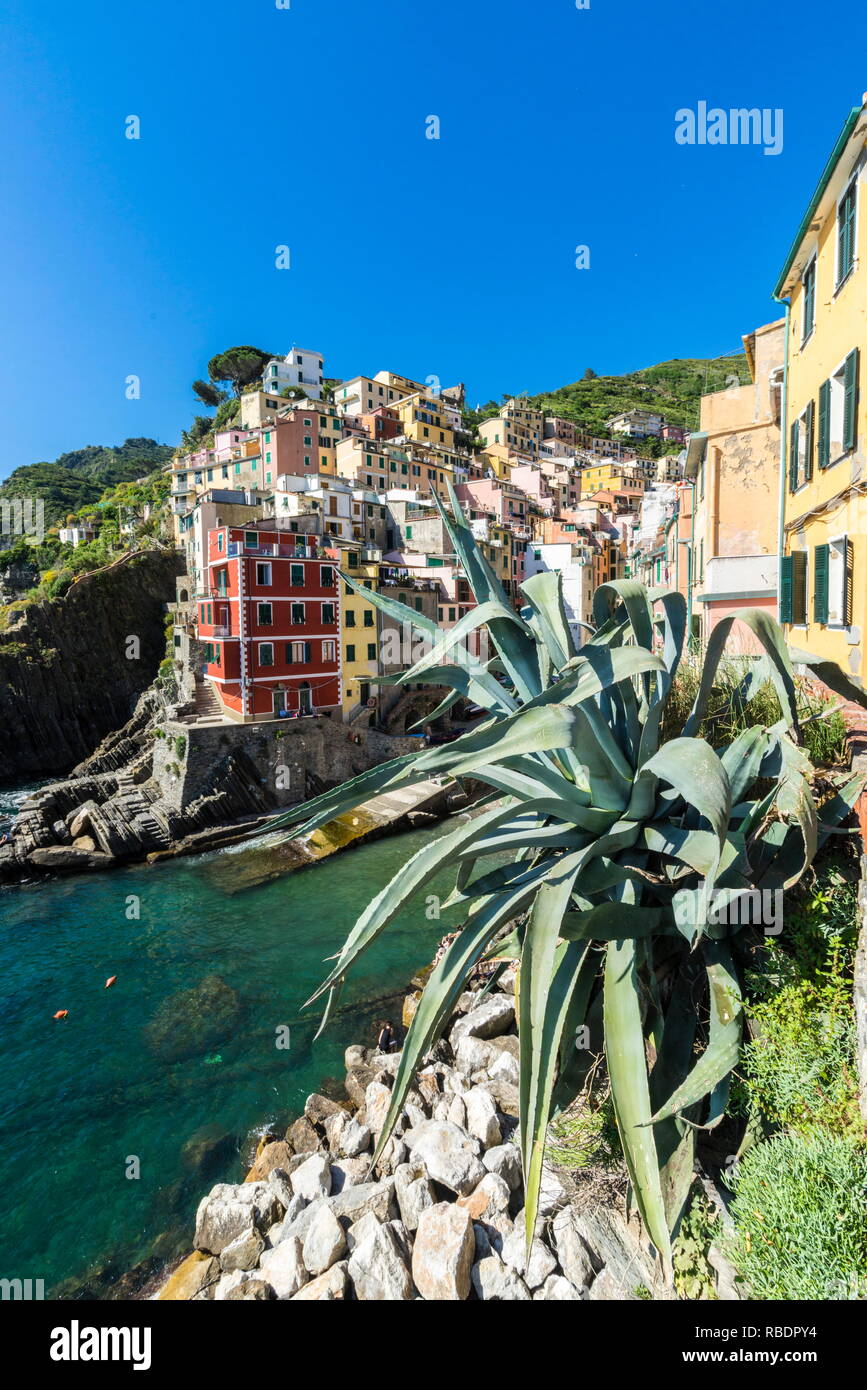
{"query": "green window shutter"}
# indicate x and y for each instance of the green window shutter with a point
(824, 424)
(799, 586)
(820, 584)
(850, 399)
(809, 434)
(786, 589)
(793, 455)
(848, 556)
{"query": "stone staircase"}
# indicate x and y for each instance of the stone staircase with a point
(208, 705)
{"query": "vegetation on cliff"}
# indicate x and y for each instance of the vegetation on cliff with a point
(80, 477)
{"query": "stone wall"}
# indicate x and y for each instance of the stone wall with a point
(289, 756)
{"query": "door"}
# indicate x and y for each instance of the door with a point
(278, 702)
(305, 700)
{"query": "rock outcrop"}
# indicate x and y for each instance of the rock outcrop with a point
(438, 1218)
(72, 669)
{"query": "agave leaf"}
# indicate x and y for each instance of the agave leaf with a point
(838, 807)
(675, 1141)
(613, 921)
(633, 596)
(516, 648)
(441, 993)
(398, 772)
(544, 594)
(830, 674)
(726, 1023)
(525, 732)
(770, 634)
(627, 1069)
(743, 758)
(410, 877)
(544, 999)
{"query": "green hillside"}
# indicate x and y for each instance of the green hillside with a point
(671, 388)
(79, 478)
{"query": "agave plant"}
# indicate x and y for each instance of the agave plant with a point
(621, 851)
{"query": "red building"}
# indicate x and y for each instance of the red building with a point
(270, 624)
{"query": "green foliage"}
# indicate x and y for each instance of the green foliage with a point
(693, 1275)
(673, 389)
(585, 1135)
(238, 365)
(208, 394)
(799, 1068)
(180, 746)
(80, 478)
(799, 1207)
(618, 840)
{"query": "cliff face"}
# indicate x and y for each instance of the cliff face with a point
(71, 670)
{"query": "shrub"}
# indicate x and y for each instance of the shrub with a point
(800, 1068)
(799, 1210)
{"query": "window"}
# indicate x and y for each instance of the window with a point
(297, 614)
(368, 618)
(451, 615)
(350, 617)
(263, 575)
(329, 651)
(265, 615)
(327, 614)
(251, 539)
(417, 603)
(838, 411)
(350, 652)
(409, 533)
(326, 576)
(801, 449)
(371, 651)
(846, 232)
(266, 653)
(808, 283)
(297, 576)
(300, 653)
(832, 594)
(793, 588)
(352, 560)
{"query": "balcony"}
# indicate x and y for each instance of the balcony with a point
(221, 630)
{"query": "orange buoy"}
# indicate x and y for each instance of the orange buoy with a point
(61, 1013)
(110, 981)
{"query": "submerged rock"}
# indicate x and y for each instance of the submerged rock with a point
(195, 1020)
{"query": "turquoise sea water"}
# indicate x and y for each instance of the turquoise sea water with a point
(134, 1071)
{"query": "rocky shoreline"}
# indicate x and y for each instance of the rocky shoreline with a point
(440, 1217)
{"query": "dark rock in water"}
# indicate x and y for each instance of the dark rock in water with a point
(195, 1020)
(209, 1150)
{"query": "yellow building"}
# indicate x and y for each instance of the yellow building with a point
(423, 420)
(823, 575)
(518, 427)
(359, 641)
(610, 476)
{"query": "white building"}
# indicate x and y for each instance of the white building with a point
(574, 561)
(638, 424)
(300, 367)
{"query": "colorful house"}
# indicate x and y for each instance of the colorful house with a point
(823, 541)
(270, 624)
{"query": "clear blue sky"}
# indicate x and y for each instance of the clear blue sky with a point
(455, 257)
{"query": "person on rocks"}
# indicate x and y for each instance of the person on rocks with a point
(386, 1042)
